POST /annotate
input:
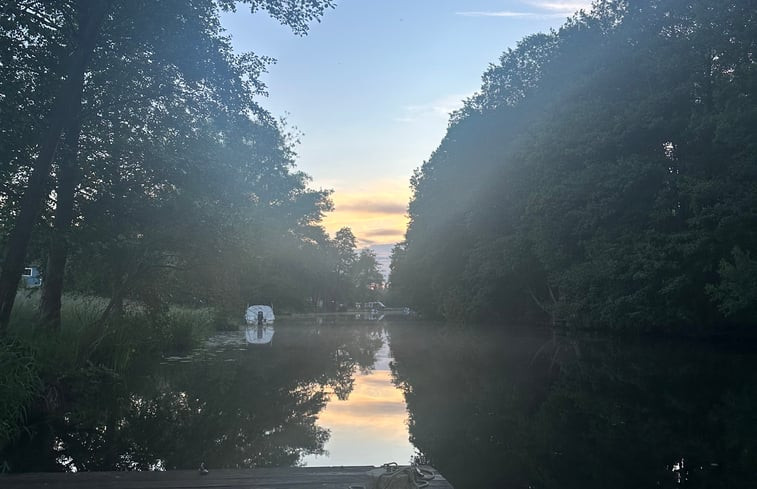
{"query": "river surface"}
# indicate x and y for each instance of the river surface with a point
(489, 407)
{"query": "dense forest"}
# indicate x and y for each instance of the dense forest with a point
(138, 164)
(603, 176)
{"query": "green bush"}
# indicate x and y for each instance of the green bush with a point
(20, 383)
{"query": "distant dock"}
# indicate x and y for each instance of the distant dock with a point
(284, 477)
(389, 311)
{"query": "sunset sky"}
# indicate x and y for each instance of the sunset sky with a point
(371, 86)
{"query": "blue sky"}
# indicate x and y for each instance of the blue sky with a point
(371, 86)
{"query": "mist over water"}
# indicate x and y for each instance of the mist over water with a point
(488, 407)
(498, 407)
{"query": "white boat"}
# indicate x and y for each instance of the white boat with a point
(259, 314)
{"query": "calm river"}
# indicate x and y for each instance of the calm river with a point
(488, 407)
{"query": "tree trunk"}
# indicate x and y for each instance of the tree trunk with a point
(129, 269)
(115, 308)
(90, 15)
(68, 177)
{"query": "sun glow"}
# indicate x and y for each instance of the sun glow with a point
(377, 214)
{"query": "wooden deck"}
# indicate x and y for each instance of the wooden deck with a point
(297, 477)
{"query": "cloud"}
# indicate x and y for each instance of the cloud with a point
(380, 205)
(383, 232)
(373, 207)
(569, 7)
(439, 108)
(544, 9)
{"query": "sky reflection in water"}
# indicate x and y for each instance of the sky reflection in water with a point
(370, 427)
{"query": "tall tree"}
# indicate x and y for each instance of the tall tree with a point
(181, 36)
(367, 276)
(345, 245)
(89, 15)
(602, 176)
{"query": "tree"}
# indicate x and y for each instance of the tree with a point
(600, 177)
(366, 276)
(88, 16)
(183, 39)
(344, 246)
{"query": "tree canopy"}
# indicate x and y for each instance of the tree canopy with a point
(604, 175)
(135, 152)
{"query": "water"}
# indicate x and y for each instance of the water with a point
(362, 416)
(488, 407)
(517, 409)
(370, 426)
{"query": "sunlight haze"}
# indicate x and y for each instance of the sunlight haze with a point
(371, 86)
(378, 244)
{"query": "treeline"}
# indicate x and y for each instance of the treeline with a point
(603, 176)
(138, 165)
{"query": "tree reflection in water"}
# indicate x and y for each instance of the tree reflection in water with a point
(519, 410)
(241, 407)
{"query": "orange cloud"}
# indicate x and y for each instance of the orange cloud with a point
(376, 213)
(372, 207)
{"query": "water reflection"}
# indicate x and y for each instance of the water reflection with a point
(229, 406)
(261, 334)
(369, 427)
(488, 408)
(510, 409)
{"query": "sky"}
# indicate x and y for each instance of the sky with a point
(371, 86)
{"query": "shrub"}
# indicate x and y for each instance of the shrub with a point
(19, 384)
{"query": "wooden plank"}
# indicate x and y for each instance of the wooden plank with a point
(297, 477)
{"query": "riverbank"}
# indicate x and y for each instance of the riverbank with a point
(45, 371)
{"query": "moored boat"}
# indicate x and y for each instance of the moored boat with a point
(259, 314)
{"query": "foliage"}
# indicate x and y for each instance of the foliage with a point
(19, 386)
(737, 291)
(83, 340)
(366, 276)
(169, 165)
(187, 327)
(44, 371)
(141, 170)
(599, 178)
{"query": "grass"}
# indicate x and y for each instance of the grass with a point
(20, 384)
(33, 358)
(84, 338)
(186, 327)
